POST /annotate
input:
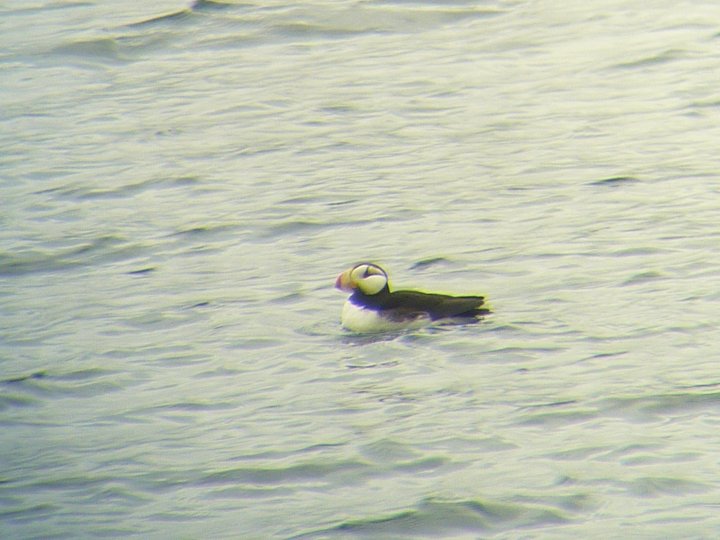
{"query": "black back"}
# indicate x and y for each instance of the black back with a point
(413, 304)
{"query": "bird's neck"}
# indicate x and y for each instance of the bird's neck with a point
(359, 297)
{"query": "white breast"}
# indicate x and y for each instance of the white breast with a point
(361, 320)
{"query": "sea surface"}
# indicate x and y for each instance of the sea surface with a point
(180, 184)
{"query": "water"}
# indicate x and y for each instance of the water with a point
(181, 185)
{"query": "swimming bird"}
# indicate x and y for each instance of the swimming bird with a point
(373, 307)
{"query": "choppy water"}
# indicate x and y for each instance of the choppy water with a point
(181, 185)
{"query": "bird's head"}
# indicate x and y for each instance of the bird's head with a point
(367, 277)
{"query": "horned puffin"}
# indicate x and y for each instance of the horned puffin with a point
(372, 307)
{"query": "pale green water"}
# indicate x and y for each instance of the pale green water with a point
(179, 193)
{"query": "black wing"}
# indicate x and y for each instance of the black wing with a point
(437, 306)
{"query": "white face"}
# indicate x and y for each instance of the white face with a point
(369, 278)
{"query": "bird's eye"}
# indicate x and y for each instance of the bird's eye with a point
(373, 271)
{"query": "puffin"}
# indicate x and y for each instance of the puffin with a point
(373, 307)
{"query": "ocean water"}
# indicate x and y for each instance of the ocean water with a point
(181, 183)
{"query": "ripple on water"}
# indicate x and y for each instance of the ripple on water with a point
(105, 50)
(101, 249)
(644, 408)
(659, 406)
(655, 486)
(435, 517)
(36, 387)
(615, 181)
(131, 189)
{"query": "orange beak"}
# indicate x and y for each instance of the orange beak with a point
(344, 283)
